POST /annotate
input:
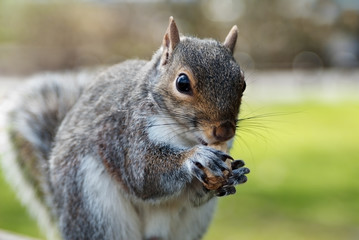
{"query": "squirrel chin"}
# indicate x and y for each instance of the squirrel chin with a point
(222, 146)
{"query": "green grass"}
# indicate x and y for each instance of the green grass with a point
(304, 184)
(13, 216)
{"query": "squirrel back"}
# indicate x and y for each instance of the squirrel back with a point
(139, 151)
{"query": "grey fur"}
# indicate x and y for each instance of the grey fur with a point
(96, 139)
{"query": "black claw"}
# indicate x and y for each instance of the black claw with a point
(221, 193)
(226, 156)
(237, 164)
(198, 164)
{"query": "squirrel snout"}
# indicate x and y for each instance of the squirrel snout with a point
(224, 131)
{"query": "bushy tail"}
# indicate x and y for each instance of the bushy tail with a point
(29, 120)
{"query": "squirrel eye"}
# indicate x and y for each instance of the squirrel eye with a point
(183, 84)
(244, 86)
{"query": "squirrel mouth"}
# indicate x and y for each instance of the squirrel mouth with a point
(201, 141)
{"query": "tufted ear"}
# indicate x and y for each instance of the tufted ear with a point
(231, 39)
(170, 41)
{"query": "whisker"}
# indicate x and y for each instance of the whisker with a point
(238, 139)
(253, 133)
(185, 132)
(264, 116)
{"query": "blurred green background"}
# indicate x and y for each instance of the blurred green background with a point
(300, 129)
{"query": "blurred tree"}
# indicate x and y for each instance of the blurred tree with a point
(55, 35)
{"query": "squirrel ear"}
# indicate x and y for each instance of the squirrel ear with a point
(170, 40)
(231, 39)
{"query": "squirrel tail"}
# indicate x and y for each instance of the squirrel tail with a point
(29, 120)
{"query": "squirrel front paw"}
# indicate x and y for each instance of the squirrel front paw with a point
(215, 171)
(237, 176)
(209, 167)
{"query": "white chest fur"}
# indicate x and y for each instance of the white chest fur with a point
(140, 220)
(106, 203)
(179, 222)
(166, 130)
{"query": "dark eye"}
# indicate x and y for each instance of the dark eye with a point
(183, 84)
(244, 86)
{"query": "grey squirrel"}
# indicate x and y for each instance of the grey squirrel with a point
(138, 152)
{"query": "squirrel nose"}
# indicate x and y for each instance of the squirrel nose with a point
(224, 132)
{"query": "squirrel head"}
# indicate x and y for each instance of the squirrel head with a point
(199, 87)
